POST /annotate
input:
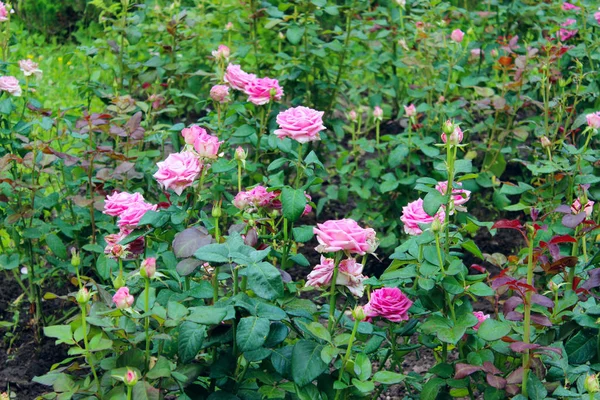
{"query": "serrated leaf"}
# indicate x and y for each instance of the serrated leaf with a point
(190, 339)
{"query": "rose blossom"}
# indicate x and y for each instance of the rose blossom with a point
(321, 274)
(566, 34)
(480, 318)
(410, 110)
(593, 120)
(122, 298)
(456, 136)
(207, 146)
(30, 68)
(148, 268)
(344, 234)
(378, 113)
(220, 93)
(576, 207)
(353, 116)
(597, 16)
(222, 52)
(457, 35)
(350, 275)
(113, 249)
(3, 12)
(178, 171)
(413, 214)
(388, 303)
(461, 196)
(570, 7)
(237, 78)
(254, 198)
(11, 85)
(301, 124)
(262, 90)
(119, 202)
(192, 133)
(307, 207)
(476, 53)
(129, 218)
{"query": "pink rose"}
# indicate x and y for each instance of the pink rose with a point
(11, 85)
(577, 207)
(301, 124)
(148, 268)
(593, 120)
(353, 116)
(229, 26)
(343, 234)
(220, 93)
(178, 171)
(378, 113)
(207, 146)
(129, 218)
(570, 7)
(388, 303)
(131, 377)
(461, 196)
(566, 34)
(237, 78)
(307, 207)
(410, 110)
(255, 198)
(456, 136)
(480, 318)
(413, 214)
(350, 275)
(321, 274)
(597, 17)
(29, 68)
(3, 12)
(262, 90)
(457, 35)
(476, 53)
(117, 203)
(113, 247)
(222, 52)
(192, 133)
(122, 298)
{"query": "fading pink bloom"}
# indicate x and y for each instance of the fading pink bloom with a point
(11, 85)
(577, 207)
(388, 303)
(322, 273)
(593, 120)
(261, 91)
(237, 78)
(122, 298)
(178, 171)
(116, 203)
(222, 52)
(192, 133)
(455, 137)
(350, 275)
(343, 235)
(410, 110)
(301, 124)
(414, 215)
(457, 35)
(29, 68)
(220, 93)
(113, 247)
(570, 7)
(129, 218)
(480, 318)
(566, 34)
(207, 146)
(477, 53)
(3, 12)
(307, 207)
(460, 196)
(257, 197)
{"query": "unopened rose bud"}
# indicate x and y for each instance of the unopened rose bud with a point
(448, 127)
(545, 142)
(216, 210)
(273, 93)
(118, 282)
(281, 36)
(229, 26)
(353, 116)
(148, 268)
(591, 384)
(240, 154)
(359, 313)
(436, 224)
(378, 113)
(494, 53)
(83, 296)
(553, 287)
(131, 377)
(75, 259)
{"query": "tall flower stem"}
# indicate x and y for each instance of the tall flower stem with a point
(215, 277)
(88, 354)
(239, 176)
(331, 320)
(377, 123)
(347, 355)
(299, 168)
(450, 158)
(147, 319)
(527, 310)
(286, 247)
(129, 392)
(264, 119)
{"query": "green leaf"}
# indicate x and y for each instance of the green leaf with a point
(265, 280)
(491, 329)
(293, 202)
(363, 386)
(161, 369)
(581, 348)
(303, 233)
(306, 362)
(244, 131)
(362, 366)
(191, 336)
(252, 333)
(8, 262)
(481, 289)
(472, 248)
(60, 332)
(432, 388)
(207, 315)
(432, 202)
(535, 388)
(294, 33)
(318, 330)
(397, 155)
(154, 218)
(57, 246)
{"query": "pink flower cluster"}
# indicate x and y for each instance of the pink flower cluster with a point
(260, 91)
(388, 303)
(456, 135)
(205, 145)
(413, 216)
(301, 124)
(178, 171)
(345, 235)
(349, 275)
(129, 207)
(570, 7)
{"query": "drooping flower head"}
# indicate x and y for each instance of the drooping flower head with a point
(237, 78)
(350, 275)
(343, 235)
(301, 124)
(414, 215)
(322, 273)
(261, 91)
(178, 171)
(388, 303)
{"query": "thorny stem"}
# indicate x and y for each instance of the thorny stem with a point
(527, 309)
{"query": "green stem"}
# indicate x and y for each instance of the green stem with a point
(147, 320)
(88, 353)
(527, 309)
(286, 248)
(450, 157)
(239, 177)
(377, 134)
(331, 320)
(439, 251)
(347, 355)
(299, 169)
(129, 390)
(215, 279)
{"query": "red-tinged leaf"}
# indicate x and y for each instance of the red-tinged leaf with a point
(572, 221)
(496, 381)
(593, 280)
(540, 319)
(563, 239)
(564, 209)
(514, 316)
(491, 368)
(507, 339)
(511, 303)
(553, 349)
(513, 390)
(508, 224)
(560, 264)
(478, 268)
(501, 281)
(522, 347)
(542, 300)
(515, 377)
(463, 370)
